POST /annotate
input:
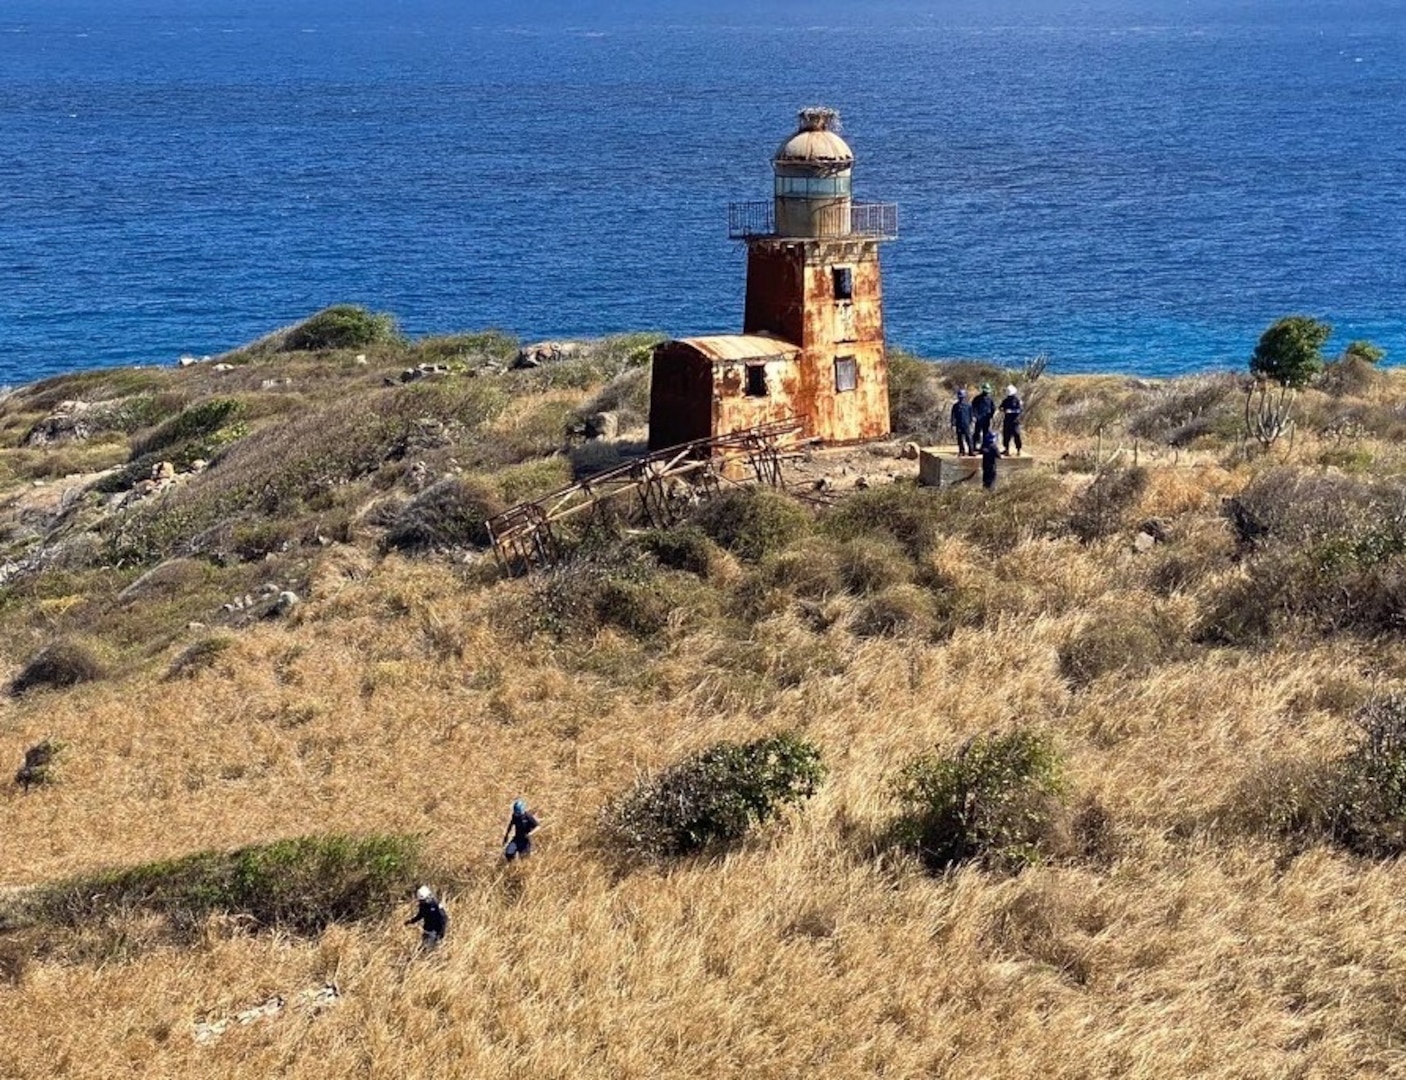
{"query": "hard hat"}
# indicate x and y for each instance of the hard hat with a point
(519, 806)
(423, 893)
(1010, 390)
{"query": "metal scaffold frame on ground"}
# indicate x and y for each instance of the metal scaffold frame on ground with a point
(667, 483)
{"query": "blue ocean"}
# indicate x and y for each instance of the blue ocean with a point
(1124, 185)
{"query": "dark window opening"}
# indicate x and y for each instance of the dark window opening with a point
(846, 373)
(844, 282)
(756, 380)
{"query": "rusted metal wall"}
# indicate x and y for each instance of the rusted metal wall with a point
(791, 293)
(680, 396)
(775, 290)
(791, 296)
(836, 328)
(734, 409)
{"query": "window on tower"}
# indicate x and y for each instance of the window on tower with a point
(844, 282)
(756, 380)
(846, 374)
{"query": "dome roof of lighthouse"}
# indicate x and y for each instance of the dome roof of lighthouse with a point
(816, 140)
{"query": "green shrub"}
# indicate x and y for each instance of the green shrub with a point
(1101, 509)
(453, 512)
(299, 886)
(198, 421)
(686, 548)
(752, 522)
(612, 586)
(714, 797)
(58, 666)
(494, 346)
(911, 515)
(342, 326)
(995, 801)
(1290, 352)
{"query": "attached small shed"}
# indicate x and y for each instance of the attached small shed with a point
(705, 386)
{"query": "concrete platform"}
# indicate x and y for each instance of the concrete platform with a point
(942, 468)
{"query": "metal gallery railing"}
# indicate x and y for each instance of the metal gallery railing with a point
(830, 220)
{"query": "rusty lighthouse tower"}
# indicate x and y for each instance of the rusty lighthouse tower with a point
(812, 341)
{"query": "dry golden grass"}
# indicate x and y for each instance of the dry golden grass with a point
(398, 699)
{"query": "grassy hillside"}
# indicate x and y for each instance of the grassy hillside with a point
(1208, 886)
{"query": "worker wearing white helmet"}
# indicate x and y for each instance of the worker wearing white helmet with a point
(1011, 410)
(432, 914)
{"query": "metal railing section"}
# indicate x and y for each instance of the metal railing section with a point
(866, 220)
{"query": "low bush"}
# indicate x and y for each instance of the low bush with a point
(453, 512)
(1184, 410)
(342, 326)
(900, 609)
(490, 346)
(614, 586)
(199, 656)
(197, 421)
(1369, 815)
(58, 666)
(1350, 376)
(911, 515)
(1356, 800)
(1027, 506)
(39, 764)
(752, 522)
(1127, 640)
(713, 798)
(872, 564)
(686, 548)
(917, 405)
(996, 801)
(1102, 508)
(1320, 551)
(299, 886)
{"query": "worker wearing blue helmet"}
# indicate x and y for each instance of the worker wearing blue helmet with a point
(517, 837)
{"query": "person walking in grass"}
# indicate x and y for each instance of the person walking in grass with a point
(983, 409)
(989, 456)
(962, 424)
(1011, 410)
(432, 915)
(517, 837)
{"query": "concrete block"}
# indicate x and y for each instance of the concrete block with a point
(939, 468)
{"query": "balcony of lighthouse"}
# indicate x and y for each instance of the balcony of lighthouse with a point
(856, 220)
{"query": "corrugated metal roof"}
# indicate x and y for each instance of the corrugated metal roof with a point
(740, 347)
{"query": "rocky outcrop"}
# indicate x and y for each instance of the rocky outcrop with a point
(546, 352)
(71, 421)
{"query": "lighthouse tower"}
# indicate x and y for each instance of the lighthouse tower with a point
(812, 341)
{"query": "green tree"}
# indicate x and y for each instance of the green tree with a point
(1290, 352)
(1365, 351)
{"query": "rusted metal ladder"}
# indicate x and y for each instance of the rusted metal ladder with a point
(666, 484)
